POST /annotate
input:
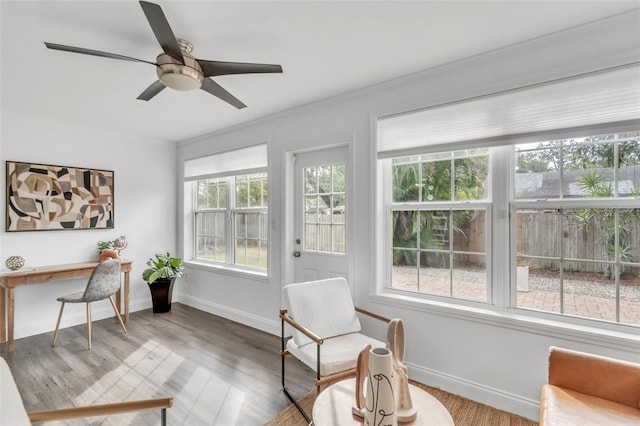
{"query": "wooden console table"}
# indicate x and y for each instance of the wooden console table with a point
(44, 274)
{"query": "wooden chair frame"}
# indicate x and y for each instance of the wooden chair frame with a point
(319, 381)
(104, 410)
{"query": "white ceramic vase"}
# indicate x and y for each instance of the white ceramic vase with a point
(380, 405)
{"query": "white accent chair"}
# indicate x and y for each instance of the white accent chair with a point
(325, 330)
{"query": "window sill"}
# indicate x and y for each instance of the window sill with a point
(228, 270)
(622, 337)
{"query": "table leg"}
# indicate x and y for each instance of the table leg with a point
(12, 301)
(126, 297)
(3, 316)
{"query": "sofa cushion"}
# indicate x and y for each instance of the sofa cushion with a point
(12, 411)
(564, 407)
(325, 307)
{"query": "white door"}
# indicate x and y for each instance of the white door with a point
(320, 201)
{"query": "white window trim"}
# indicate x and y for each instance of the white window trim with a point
(228, 266)
(501, 310)
(227, 270)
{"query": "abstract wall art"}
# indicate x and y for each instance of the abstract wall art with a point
(42, 197)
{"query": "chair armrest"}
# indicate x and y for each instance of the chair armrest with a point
(310, 334)
(372, 315)
(99, 410)
(603, 377)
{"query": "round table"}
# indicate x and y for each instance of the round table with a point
(333, 407)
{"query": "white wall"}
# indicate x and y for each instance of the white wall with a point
(492, 357)
(145, 194)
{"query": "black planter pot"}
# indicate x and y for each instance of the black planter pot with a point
(161, 291)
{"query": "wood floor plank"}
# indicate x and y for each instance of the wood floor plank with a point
(219, 372)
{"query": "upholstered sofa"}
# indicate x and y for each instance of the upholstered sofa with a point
(587, 390)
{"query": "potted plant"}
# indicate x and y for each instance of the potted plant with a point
(160, 274)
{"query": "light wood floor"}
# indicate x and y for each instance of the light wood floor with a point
(218, 372)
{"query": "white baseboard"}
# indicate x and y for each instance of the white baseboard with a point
(254, 321)
(476, 391)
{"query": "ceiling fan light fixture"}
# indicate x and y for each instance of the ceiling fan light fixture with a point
(177, 76)
(180, 82)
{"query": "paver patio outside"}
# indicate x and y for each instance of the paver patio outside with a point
(471, 285)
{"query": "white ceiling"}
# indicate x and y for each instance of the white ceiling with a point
(325, 48)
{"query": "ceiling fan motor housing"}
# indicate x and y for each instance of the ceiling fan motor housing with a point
(172, 73)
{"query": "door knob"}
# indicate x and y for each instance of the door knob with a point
(296, 253)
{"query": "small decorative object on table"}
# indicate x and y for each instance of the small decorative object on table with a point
(161, 273)
(378, 406)
(111, 249)
(362, 366)
(15, 262)
(405, 410)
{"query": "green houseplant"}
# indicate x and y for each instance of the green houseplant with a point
(161, 274)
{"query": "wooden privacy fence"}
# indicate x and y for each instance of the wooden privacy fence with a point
(543, 232)
(549, 233)
(325, 233)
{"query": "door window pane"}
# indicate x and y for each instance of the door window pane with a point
(324, 208)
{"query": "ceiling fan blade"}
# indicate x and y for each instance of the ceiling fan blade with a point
(152, 90)
(162, 30)
(215, 89)
(213, 68)
(82, 50)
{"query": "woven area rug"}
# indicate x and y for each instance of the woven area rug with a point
(464, 411)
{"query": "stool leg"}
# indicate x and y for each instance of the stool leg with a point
(55, 333)
(89, 324)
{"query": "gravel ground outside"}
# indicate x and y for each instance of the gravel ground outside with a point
(585, 294)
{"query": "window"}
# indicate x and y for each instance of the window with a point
(211, 219)
(545, 220)
(438, 217)
(242, 217)
(226, 203)
(577, 226)
(324, 204)
(251, 221)
(572, 237)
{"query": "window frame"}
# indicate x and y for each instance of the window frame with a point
(332, 224)
(566, 202)
(230, 213)
(502, 298)
(485, 205)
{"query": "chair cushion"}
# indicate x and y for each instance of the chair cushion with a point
(564, 407)
(336, 354)
(324, 307)
(607, 378)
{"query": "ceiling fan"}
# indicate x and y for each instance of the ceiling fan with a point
(176, 67)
